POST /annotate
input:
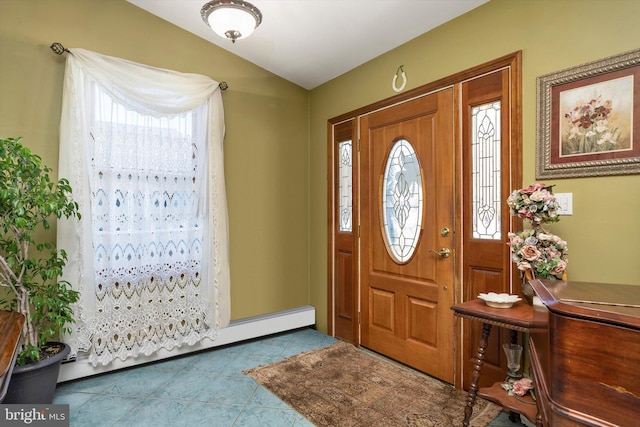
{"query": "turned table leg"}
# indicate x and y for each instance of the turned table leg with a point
(477, 367)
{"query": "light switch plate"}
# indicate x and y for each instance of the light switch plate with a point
(565, 202)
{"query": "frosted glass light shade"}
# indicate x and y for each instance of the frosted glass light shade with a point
(233, 19)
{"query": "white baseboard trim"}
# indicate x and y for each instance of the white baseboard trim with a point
(237, 331)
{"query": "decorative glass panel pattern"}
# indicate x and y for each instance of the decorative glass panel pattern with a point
(402, 201)
(485, 141)
(346, 173)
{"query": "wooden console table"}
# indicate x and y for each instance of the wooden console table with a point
(522, 318)
(10, 328)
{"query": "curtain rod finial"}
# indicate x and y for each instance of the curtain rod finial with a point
(58, 49)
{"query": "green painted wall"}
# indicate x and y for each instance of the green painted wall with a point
(552, 34)
(276, 148)
(266, 144)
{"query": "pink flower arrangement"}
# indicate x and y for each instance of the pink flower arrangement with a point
(535, 203)
(542, 253)
(522, 386)
(535, 250)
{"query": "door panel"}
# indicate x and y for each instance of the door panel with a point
(405, 306)
(486, 261)
(398, 309)
(343, 295)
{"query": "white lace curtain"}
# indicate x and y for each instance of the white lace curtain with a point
(142, 149)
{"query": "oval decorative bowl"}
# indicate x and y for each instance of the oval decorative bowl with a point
(495, 300)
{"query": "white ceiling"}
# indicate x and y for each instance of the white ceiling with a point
(310, 42)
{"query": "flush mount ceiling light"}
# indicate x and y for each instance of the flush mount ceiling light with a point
(233, 19)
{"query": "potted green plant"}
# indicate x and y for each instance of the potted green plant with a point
(30, 267)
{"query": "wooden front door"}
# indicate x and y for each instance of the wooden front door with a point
(407, 232)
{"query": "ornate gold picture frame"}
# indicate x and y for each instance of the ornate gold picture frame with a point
(588, 119)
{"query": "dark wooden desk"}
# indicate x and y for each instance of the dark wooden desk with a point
(521, 317)
(10, 329)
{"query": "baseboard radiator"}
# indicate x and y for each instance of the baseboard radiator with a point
(237, 331)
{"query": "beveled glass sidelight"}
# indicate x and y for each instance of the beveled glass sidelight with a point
(345, 167)
(485, 172)
(402, 201)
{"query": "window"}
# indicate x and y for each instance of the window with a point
(142, 147)
(402, 201)
(486, 145)
(345, 168)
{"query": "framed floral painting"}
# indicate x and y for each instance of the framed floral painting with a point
(588, 121)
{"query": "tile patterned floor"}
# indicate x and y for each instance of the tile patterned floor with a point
(204, 389)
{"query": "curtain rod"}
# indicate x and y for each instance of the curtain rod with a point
(59, 49)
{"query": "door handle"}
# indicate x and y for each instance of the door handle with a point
(442, 253)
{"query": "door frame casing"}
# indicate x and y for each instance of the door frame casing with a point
(514, 62)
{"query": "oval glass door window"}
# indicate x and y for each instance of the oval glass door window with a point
(402, 201)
